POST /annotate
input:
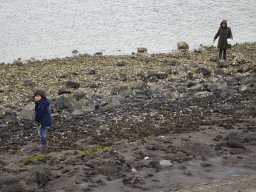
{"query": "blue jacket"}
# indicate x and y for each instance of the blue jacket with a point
(43, 113)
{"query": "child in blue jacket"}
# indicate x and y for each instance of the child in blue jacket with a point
(43, 115)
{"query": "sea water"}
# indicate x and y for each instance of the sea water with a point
(54, 28)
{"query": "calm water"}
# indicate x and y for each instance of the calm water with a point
(54, 28)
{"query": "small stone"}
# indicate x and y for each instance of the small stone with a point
(73, 84)
(235, 144)
(223, 65)
(188, 173)
(206, 164)
(182, 45)
(91, 72)
(121, 63)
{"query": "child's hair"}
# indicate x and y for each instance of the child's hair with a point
(40, 92)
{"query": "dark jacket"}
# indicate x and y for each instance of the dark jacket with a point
(43, 113)
(224, 33)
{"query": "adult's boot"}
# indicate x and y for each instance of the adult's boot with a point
(224, 57)
(219, 57)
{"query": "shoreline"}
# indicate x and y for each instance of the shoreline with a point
(150, 121)
(24, 61)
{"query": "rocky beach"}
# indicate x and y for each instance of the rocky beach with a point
(139, 122)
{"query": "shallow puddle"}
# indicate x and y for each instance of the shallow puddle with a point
(165, 162)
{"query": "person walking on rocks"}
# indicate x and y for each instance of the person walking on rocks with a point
(223, 33)
(43, 115)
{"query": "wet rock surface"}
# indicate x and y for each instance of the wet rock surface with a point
(116, 132)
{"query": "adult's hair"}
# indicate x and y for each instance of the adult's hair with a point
(40, 92)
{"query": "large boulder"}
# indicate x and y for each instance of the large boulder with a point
(63, 103)
(72, 84)
(205, 71)
(182, 45)
(27, 112)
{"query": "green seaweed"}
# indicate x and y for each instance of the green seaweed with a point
(34, 158)
(97, 148)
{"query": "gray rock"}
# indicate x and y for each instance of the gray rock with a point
(161, 75)
(235, 144)
(10, 118)
(63, 103)
(187, 69)
(27, 112)
(181, 89)
(72, 84)
(142, 50)
(8, 180)
(114, 103)
(188, 173)
(126, 93)
(123, 89)
(42, 178)
(78, 95)
(177, 54)
(223, 64)
(169, 62)
(139, 86)
(150, 74)
(190, 84)
(27, 82)
(233, 136)
(219, 72)
(139, 92)
(190, 75)
(122, 77)
(93, 84)
(92, 72)
(212, 87)
(63, 91)
(154, 164)
(158, 87)
(250, 137)
(240, 70)
(172, 71)
(121, 63)
(206, 164)
(105, 101)
(15, 187)
(205, 71)
(115, 91)
(214, 58)
(197, 87)
(182, 45)
(63, 75)
(141, 76)
(18, 62)
(153, 79)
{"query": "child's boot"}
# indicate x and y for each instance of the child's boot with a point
(45, 141)
(42, 145)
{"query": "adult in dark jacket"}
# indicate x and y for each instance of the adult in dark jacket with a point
(43, 115)
(223, 33)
